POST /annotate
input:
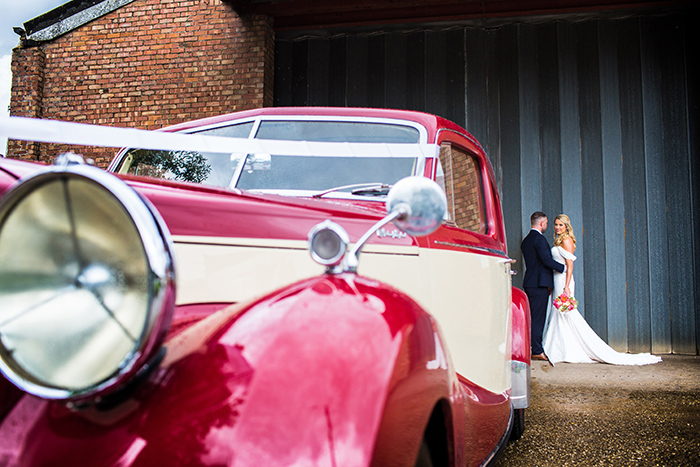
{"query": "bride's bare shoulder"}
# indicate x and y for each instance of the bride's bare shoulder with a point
(569, 245)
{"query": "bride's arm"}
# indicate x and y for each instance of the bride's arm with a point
(568, 245)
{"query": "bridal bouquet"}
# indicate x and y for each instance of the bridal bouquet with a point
(564, 303)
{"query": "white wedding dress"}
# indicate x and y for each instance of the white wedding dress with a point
(569, 338)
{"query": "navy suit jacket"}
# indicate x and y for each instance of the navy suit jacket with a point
(538, 261)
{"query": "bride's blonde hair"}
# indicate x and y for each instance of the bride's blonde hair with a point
(559, 239)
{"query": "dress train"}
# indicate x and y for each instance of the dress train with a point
(569, 338)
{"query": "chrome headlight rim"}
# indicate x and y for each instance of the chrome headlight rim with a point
(157, 249)
(338, 233)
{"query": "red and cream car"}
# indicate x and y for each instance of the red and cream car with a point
(284, 286)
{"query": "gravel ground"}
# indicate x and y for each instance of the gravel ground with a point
(607, 415)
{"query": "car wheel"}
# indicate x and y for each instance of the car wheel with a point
(518, 424)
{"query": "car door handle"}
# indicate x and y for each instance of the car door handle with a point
(509, 261)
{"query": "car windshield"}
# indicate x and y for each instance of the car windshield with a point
(365, 175)
(317, 173)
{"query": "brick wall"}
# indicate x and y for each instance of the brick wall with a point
(468, 195)
(462, 184)
(148, 64)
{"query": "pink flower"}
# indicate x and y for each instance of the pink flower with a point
(564, 303)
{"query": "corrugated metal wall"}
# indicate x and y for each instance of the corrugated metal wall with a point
(596, 118)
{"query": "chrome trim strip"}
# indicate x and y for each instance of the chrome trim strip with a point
(472, 247)
(277, 243)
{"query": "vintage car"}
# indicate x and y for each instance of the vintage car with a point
(275, 287)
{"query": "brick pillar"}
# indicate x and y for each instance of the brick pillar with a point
(27, 96)
(269, 61)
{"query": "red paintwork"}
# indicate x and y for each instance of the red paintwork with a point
(520, 309)
(334, 370)
(11, 170)
(224, 395)
(220, 213)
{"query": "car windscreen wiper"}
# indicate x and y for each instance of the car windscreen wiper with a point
(379, 190)
(360, 189)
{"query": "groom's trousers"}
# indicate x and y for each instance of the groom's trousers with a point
(539, 299)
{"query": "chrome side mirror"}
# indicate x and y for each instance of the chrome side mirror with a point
(422, 202)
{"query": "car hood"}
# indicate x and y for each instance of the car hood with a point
(195, 210)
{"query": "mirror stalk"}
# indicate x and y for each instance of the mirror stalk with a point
(352, 258)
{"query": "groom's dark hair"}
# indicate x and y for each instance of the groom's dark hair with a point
(536, 216)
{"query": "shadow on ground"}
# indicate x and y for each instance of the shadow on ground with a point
(606, 415)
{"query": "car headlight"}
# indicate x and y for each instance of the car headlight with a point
(86, 283)
(328, 243)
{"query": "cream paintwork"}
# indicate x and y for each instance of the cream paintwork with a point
(461, 289)
(215, 269)
(464, 294)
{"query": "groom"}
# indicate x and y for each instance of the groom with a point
(538, 281)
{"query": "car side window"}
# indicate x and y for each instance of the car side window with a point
(446, 185)
(459, 175)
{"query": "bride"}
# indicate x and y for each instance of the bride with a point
(569, 338)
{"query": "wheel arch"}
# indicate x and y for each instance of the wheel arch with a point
(439, 435)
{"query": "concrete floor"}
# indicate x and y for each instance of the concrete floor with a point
(607, 415)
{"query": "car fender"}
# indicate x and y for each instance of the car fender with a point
(424, 389)
(321, 356)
